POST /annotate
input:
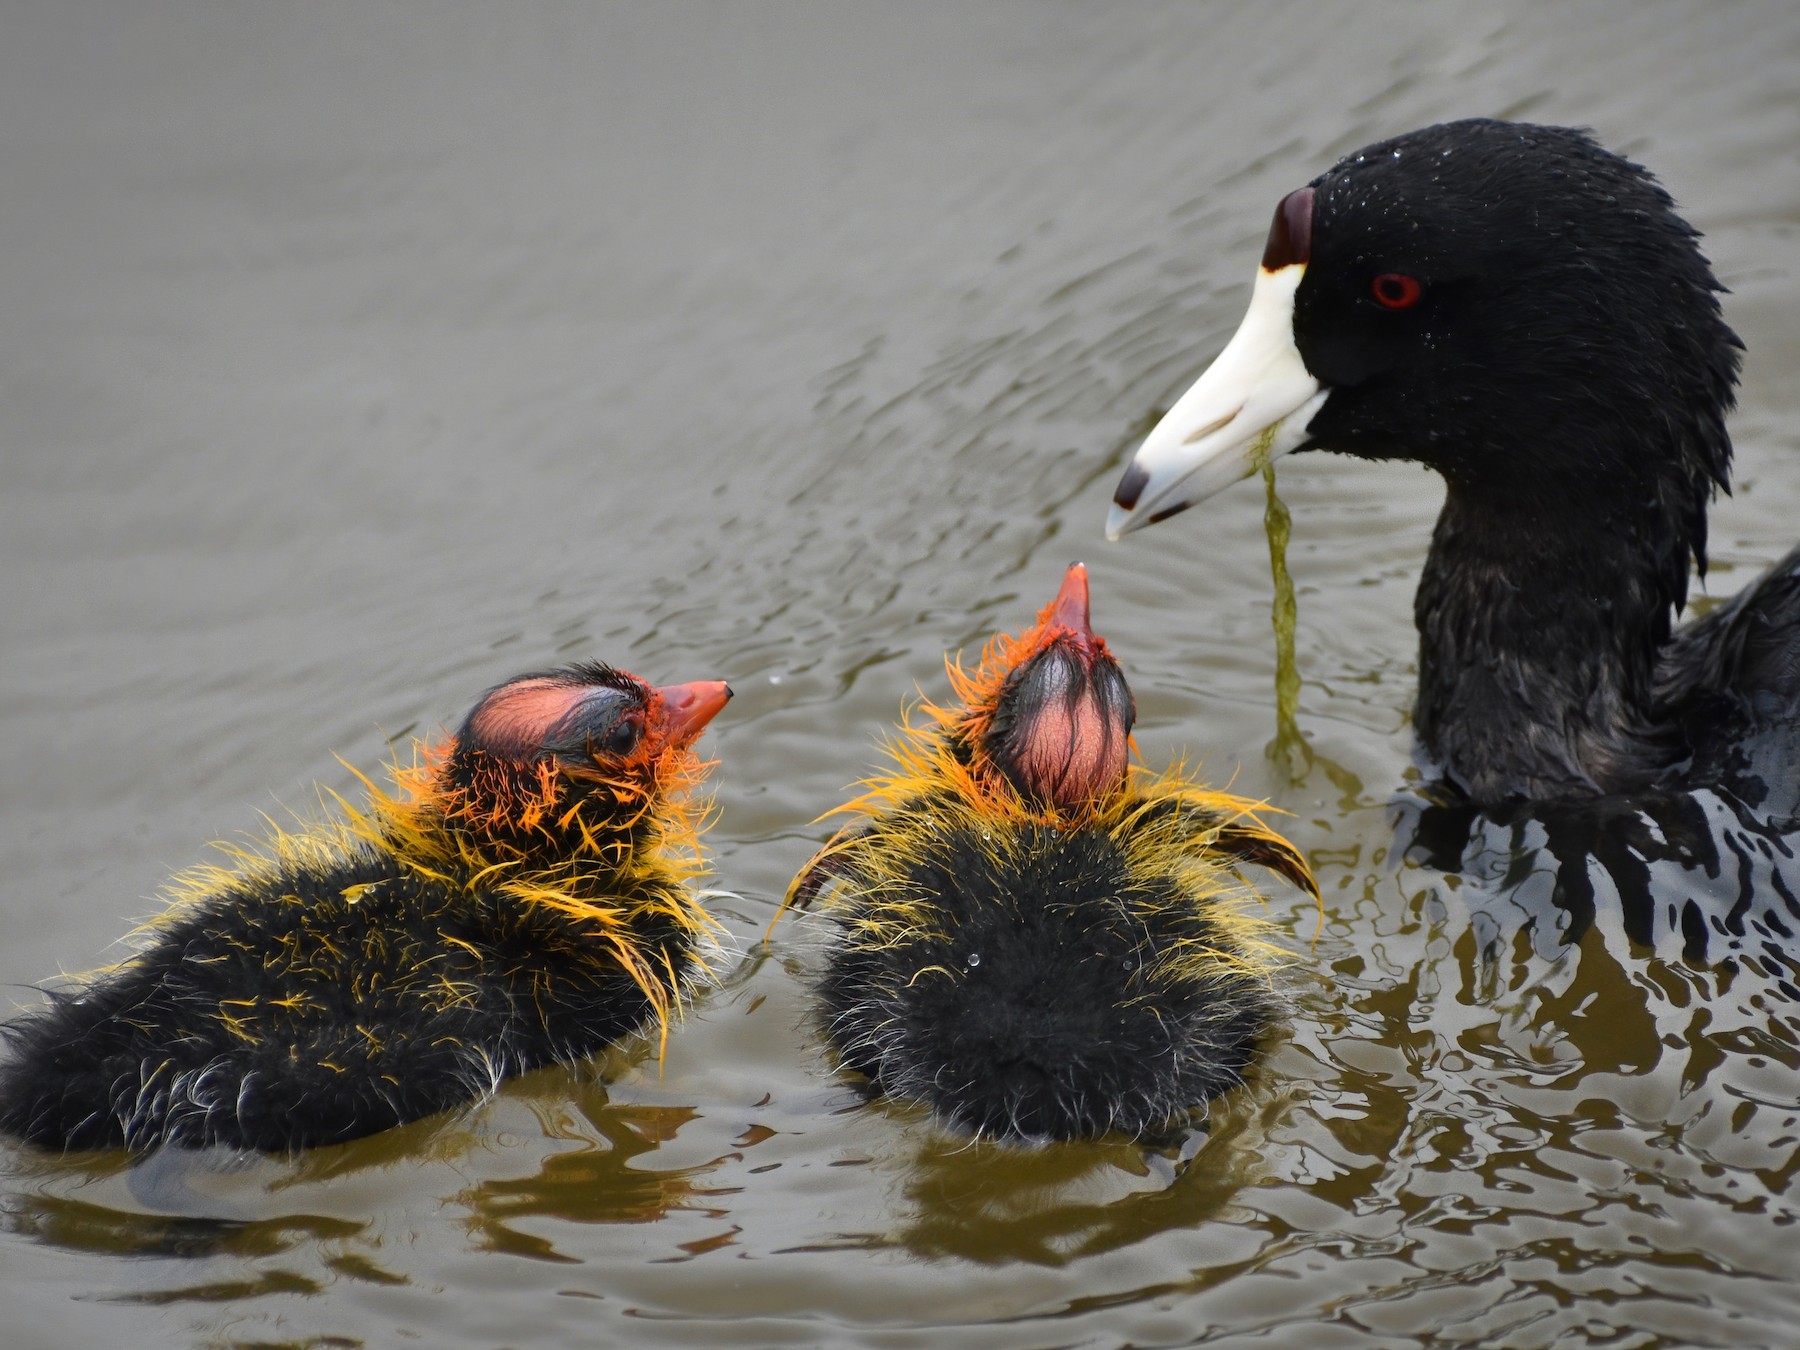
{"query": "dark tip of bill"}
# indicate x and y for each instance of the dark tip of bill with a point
(1290, 233)
(1131, 486)
(1168, 511)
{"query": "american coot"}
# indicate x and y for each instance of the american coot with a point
(1031, 937)
(1524, 312)
(522, 899)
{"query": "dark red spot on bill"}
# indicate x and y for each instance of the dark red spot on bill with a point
(1131, 486)
(1290, 233)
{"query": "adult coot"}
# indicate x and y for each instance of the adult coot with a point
(1524, 312)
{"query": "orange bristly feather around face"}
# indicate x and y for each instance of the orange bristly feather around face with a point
(543, 799)
(562, 858)
(939, 754)
(980, 692)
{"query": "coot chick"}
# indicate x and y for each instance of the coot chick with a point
(522, 898)
(1032, 937)
(1524, 312)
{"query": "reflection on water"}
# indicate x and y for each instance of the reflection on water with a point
(1694, 876)
(350, 363)
(82, 1226)
(984, 1202)
(592, 1184)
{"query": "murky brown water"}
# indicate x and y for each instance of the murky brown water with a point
(353, 358)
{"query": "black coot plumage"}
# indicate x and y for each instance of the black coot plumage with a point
(1032, 937)
(1524, 312)
(522, 899)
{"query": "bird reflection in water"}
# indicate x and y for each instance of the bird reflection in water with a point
(994, 1203)
(605, 1181)
(1690, 876)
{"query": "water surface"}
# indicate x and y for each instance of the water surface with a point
(353, 358)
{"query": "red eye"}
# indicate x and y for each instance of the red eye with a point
(1396, 290)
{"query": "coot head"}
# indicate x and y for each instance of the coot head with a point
(535, 748)
(1049, 712)
(1509, 304)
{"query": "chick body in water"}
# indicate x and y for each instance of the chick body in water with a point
(1033, 937)
(522, 897)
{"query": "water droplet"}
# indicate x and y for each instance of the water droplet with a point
(974, 959)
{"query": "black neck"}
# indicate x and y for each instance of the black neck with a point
(1539, 627)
